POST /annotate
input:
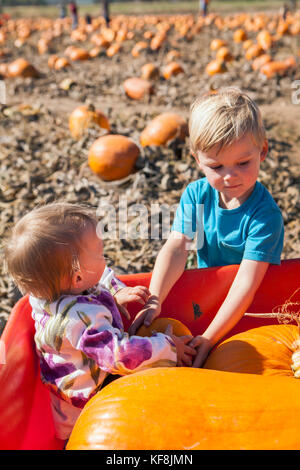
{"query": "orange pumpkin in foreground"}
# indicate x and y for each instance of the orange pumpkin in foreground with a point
(112, 157)
(163, 129)
(183, 408)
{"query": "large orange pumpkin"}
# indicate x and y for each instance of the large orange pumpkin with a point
(83, 117)
(266, 350)
(113, 157)
(182, 408)
(163, 129)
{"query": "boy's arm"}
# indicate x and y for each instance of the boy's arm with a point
(238, 299)
(168, 268)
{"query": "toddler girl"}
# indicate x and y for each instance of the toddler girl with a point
(55, 255)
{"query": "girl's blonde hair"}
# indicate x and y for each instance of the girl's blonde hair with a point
(44, 247)
(222, 117)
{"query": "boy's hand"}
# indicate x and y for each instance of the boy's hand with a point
(184, 350)
(131, 294)
(150, 311)
(203, 346)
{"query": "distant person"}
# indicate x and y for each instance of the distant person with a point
(105, 8)
(63, 10)
(203, 6)
(74, 14)
(293, 4)
(88, 18)
(284, 11)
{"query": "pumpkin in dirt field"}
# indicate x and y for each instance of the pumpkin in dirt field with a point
(112, 157)
(22, 68)
(85, 116)
(163, 129)
(184, 408)
(138, 88)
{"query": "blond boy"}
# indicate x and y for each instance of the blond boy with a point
(234, 216)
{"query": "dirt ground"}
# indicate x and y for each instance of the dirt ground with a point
(41, 162)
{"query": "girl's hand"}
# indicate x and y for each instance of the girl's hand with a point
(150, 311)
(130, 294)
(203, 346)
(184, 350)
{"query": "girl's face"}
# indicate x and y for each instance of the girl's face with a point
(234, 170)
(92, 263)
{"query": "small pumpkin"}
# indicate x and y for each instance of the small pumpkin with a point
(215, 66)
(99, 41)
(112, 157)
(79, 54)
(260, 61)
(224, 55)
(264, 40)
(160, 324)
(172, 69)
(163, 129)
(22, 68)
(137, 88)
(113, 49)
(149, 71)
(253, 51)
(172, 55)
(240, 35)
(51, 60)
(95, 51)
(138, 47)
(61, 63)
(272, 68)
(83, 117)
(43, 45)
(217, 44)
(247, 44)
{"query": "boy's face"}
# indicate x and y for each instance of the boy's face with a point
(234, 170)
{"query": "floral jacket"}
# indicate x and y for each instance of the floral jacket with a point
(81, 339)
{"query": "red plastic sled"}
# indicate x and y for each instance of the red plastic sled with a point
(25, 415)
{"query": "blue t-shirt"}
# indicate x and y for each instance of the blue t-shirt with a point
(253, 230)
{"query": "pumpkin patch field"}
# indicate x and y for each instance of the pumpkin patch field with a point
(99, 115)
